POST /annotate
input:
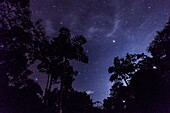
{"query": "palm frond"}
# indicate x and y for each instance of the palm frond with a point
(77, 40)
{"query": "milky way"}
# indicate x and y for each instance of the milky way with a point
(111, 27)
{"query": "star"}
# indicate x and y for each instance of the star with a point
(154, 67)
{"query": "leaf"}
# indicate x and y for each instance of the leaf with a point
(111, 69)
(78, 40)
(115, 85)
(113, 77)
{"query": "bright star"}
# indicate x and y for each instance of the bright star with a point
(114, 41)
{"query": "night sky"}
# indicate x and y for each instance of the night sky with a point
(112, 28)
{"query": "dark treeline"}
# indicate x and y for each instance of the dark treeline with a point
(141, 82)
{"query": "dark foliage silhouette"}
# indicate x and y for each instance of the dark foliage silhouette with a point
(123, 70)
(18, 37)
(76, 102)
(141, 83)
(22, 43)
(55, 61)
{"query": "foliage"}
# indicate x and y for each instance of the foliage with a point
(55, 61)
(18, 37)
(72, 102)
(22, 43)
(140, 82)
(160, 50)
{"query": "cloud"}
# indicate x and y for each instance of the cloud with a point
(49, 27)
(89, 92)
(115, 27)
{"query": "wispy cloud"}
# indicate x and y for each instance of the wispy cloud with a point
(115, 27)
(49, 27)
(89, 92)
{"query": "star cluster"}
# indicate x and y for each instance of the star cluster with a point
(111, 27)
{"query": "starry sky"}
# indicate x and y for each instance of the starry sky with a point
(112, 28)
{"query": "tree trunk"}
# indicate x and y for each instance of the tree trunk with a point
(61, 98)
(47, 83)
(46, 90)
(61, 89)
(50, 84)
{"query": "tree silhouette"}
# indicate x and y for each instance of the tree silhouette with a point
(19, 37)
(55, 60)
(121, 92)
(150, 92)
(77, 102)
(21, 100)
(22, 43)
(69, 48)
(160, 50)
(123, 71)
(141, 82)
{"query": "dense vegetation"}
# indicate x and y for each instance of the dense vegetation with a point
(140, 82)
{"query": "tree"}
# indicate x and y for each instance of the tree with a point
(145, 79)
(123, 71)
(19, 38)
(55, 60)
(121, 92)
(21, 100)
(22, 43)
(150, 92)
(77, 102)
(160, 50)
